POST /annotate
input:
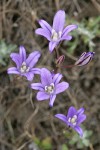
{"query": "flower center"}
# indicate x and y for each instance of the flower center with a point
(24, 68)
(55, 36)
(73, 120)
(49, 89)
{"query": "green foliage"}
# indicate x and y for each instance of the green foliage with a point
(81, 142)
(45, 144)
(86, 32)
(5, 50)
(64, 147)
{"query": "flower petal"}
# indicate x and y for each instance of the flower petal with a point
(81, 118)
(52, 45)
(45, 25)
(61, 117)
(79, 130)
(71, 112)
(13, 70)
(36, 70)
(68, 29)
(80, 111)
(42, 96)
(57, 77)
(84, 59)
(59, 20)
(37, 86)
(29, 76)
(46, 77)
(44, 33)
(33, 58)
(61, 87)
(16, 58)
(22, 53)
(68, 38)
(52, 99)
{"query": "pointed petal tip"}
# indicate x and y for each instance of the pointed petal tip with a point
(79, 130)
(76, 26)
(12, 70)
(52, 99)
(61, 117)
(59, 20)
(61, 11)
(38, 52)
(21, 46)
(37, 31)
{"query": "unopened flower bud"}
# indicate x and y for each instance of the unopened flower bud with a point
(60, 60)
(85, 58)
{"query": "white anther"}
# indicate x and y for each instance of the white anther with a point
(60, 33)
(55, 36)
(24, 68)
(49, 89)
(73, 120)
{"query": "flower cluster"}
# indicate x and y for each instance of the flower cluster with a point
(50, 85)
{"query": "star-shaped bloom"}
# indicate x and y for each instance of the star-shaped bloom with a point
(49, 86)
(24, 67)
(85, 58)
(57, 32)
(73, 119)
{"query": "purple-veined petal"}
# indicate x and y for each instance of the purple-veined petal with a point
(61, 117)
(52, 45)
(67, 37)
(84, 59)
(28, 75)
(61, 87)
(16, 58)
(80, 60)
(37, 86)
(57, 77)
(45, 25)
(46, 77)
(44, 33)
(22, 53)
(36, 70)
(42, 96)
(71, 112)
(33, 58)
(81, 118)
(59, 20)
(52, 99)
(13, 70)
(68, 29)
(80, 111)
(79, 130)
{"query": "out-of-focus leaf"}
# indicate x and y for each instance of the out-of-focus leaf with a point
(5, 50)
(64, 147)
(46, 144)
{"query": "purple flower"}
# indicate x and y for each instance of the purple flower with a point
(84, 59)
(24, 67)
(49, 86)
(73, 119)
(57, 32)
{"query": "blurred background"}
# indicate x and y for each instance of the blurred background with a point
(25, 123)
